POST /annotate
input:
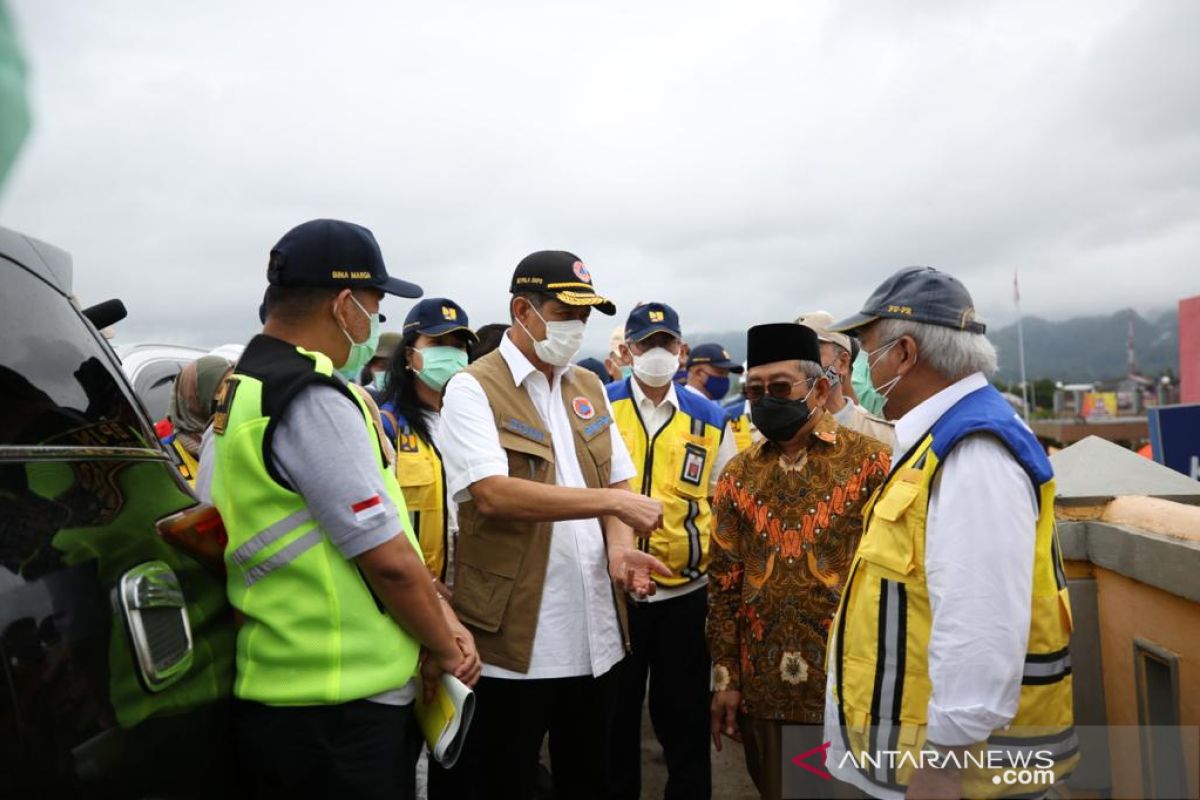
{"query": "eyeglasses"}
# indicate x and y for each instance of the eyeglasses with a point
(780, 390)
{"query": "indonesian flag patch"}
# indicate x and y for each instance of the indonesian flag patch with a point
(371, 507)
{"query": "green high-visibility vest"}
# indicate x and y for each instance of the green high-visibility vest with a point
(312, 632)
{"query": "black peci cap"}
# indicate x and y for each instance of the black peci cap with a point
(713, 354)
(435, 316)
(781, 341)
(650, 318)
(919, 294)
(561, 275)
(330, 252)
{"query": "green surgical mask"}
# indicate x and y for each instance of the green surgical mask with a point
(379, 380)
(439, 365)
(360, 352)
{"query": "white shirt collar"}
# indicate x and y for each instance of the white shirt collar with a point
(913, 425)
(641, 399)
(520, 366)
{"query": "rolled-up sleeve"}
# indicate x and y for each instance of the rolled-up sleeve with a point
(469, 441)
(979, 553)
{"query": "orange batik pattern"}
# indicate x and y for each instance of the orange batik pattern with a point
(785, 533)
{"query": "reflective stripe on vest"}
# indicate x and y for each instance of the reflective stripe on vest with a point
(879, 650)
(674, 466)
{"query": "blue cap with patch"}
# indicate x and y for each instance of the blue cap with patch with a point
(714, 355)
(334, 253)
(651, 318)
(435, 316)
(919, 294)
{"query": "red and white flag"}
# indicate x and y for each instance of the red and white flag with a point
(371, 507)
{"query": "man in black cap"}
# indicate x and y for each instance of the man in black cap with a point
(788, 518)
(956, 600)
(546, 527)
(322, 562)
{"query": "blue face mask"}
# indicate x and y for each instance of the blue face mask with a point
(717, 387)
(360, 352)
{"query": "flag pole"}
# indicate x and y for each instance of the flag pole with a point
(1021, 347)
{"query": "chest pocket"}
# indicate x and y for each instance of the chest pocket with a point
(527, 458)
(692, 462)
(416, 472)
(890, 540)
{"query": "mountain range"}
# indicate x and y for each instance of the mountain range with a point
(1090, 348)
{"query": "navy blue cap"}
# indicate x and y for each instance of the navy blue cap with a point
(713, 354)
(650, 318)
(596, 367)
(330, 252)
(919, 294)
(435, 316)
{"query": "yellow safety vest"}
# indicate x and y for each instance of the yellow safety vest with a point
(739, 423)
(878, 654)
(423, 479)
(675, 466)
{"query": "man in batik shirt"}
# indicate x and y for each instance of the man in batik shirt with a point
(788, 519)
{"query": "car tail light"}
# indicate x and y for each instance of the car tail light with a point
(199, 532)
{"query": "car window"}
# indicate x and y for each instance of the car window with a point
(58, 382)
(154, 384)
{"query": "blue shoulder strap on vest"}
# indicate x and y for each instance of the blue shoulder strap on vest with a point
(390, 407)
(701, 408)
(735, 408)
(986, 411)
(619, 390)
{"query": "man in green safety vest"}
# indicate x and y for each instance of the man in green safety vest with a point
(322, 563)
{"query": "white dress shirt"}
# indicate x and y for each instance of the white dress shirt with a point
(979, 548)
(655, 417)
(577, 630)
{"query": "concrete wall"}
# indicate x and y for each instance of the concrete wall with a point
(1129, 611)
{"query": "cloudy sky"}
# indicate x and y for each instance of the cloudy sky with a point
(741, 161)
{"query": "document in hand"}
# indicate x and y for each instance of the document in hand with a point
(445, 721)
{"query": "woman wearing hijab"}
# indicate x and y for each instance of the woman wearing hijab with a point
(190, 409)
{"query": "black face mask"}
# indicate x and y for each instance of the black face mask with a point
(779, 420)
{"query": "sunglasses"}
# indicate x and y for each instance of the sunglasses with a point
(780, 390)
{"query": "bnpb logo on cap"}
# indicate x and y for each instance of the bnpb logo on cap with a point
(581, 272)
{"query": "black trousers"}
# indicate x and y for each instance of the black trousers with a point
(669, 646)
(359, 749)
(513, 717)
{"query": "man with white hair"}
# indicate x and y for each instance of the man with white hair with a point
(948, 657)
(835, 358)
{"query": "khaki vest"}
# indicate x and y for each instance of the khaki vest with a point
(500, 564)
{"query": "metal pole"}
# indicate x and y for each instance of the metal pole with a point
(1021, 347)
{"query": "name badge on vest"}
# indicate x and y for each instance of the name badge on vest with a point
(693, 464)
(523, 429)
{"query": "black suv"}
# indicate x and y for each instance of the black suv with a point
(116, 640)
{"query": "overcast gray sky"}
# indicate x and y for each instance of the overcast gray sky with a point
(741, 161)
